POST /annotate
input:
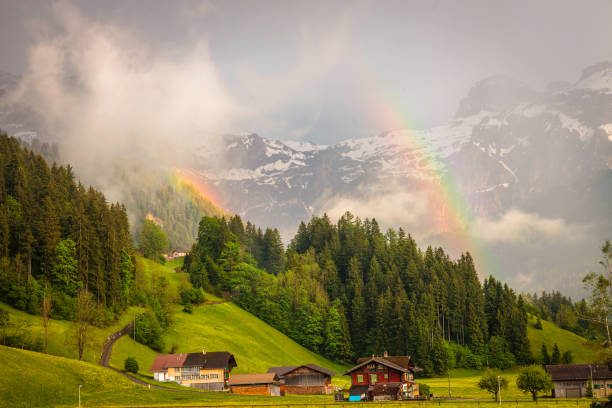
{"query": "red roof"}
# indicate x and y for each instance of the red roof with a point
(163, 361)
(210, 360)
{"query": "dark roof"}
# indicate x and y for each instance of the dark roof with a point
(210, 360)
(379, 360)
(247, 379)
(358, 390)
(564, 372)
(284, 370)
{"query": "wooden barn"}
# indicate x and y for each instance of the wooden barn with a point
(257, 384)
(570, 380)
(305, 379)
(383, 378)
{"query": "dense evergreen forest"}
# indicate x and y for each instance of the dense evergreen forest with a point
(347, 290)
(58, 236)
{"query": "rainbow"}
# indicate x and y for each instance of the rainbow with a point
(451, 210)
(189, 182)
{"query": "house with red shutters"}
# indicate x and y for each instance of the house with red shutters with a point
(383, 378)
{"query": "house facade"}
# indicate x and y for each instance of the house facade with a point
(383, 378)
(257, 384)
(570, 380)
(305, 379)
(209, 371)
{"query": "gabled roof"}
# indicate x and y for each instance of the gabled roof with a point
(209, 361)
(247, 379)
(565, 372)
(402, 361)
(284, 370)
(379, 360)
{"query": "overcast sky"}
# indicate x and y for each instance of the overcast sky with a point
(323, 71)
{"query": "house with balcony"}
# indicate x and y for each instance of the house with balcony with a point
(205, 370)
(383, 378)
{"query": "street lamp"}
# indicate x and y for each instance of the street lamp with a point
(80, 395)
(499, 388)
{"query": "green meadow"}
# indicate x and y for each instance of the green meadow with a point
(31, 379)
(583, 350)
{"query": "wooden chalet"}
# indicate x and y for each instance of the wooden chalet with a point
(257, 384)
(570, 380)
(383, 378)
(209, 371)
(305, 379)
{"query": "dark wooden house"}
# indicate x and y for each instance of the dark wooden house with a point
(257, 384)
(383, 378)
(305, 379)
(570, 380)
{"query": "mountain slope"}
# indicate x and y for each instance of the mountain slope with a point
(582, 350)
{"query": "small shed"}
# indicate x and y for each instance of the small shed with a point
(257, 384)
(305, 379)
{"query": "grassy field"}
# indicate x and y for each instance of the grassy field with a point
(583, 350)
(464, 382)
(225, 326)
(29, 379)
(60, 333)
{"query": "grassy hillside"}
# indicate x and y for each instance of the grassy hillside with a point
(225, 326)
(583, 350)
(30, 379)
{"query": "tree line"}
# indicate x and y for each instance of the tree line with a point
(347, 290)
(58, 237)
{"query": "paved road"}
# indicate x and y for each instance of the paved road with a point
(107, 349)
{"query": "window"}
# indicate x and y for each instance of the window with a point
(609, 385)
(595, 386)
(386, 376)
(373, 378)
(214, 376)
(380, 367)
(359, 378)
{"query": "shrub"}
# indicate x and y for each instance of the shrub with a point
(424, 390)
(188, 308)
(131, 365)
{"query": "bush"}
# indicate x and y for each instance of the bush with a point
(149, 332)
(424, 390)
(131, 365)
(538, 324)
(188, 308)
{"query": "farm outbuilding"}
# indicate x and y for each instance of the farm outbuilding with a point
(305, 379)
(257, 384)
(570, 380)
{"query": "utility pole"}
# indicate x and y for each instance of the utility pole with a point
(449, 389)
(134, 326)
(80, 395)
(499, 389)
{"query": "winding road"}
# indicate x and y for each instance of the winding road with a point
(107, 349)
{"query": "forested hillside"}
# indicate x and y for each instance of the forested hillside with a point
(58, 236)
(347, 290)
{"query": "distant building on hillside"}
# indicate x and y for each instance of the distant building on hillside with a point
(209, 371)
(383, 378)
(570, 380)
(305, 379)
(257, 384)
(174, 254)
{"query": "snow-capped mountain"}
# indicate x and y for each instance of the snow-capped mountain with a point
(507, 147)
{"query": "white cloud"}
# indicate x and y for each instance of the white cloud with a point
(391, 207)
(516, 226)
(112, 102)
